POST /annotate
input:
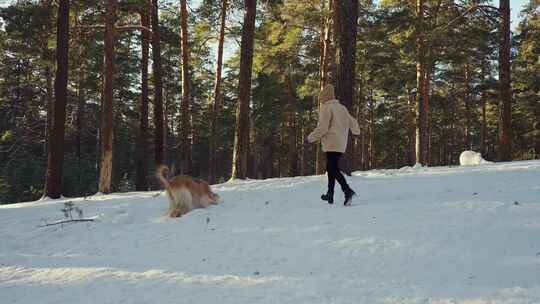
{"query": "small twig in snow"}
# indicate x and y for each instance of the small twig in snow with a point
(65, 221)
(207, 222)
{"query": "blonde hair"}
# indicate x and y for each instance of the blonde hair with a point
(326, 94)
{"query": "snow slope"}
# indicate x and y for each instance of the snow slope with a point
(428, 235)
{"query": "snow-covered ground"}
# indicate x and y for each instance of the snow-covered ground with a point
(428, 235)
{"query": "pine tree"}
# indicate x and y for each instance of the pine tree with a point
(217, 103)
(53, 183)
(346, 79)
(241, 136)
(105, 175)
(184, 155)
(505, 121)
(141, 182)
(159, 135)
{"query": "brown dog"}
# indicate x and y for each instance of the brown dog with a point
(185, 193)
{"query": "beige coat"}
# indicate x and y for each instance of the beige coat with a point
(333, 128)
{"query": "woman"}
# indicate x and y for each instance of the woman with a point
(333, 132)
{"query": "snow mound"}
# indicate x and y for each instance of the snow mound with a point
(417, 166)
(471, 158)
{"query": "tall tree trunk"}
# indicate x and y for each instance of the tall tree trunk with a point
(483, 130)
(327, 52)
(425, 110)
(505, 108)
(218, 99)
(80, 101)
(105, 175)
(347, 25)
(252, 150)
(241, 136)
(468, 108)
(324, 45)
(453, 132)
(371, 162)
(55, 157)
(168, 119)
(291, 118)
(185, 126)
(320, 160)
(305, 148)
(421, 114)
(360, 104)
(141, 183)
(411, 156)
(361, 117)
(159, 136)
(50, 106)
(48, 72)
(333, 52)
(537, 136)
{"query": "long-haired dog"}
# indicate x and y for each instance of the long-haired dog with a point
(185, 193)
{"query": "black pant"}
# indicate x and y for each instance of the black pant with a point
(332, 169)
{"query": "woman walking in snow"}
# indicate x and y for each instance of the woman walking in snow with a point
(333, 132)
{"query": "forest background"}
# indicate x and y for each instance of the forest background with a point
(425, 79)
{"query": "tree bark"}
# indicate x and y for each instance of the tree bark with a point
(326, 44)
(80, 100)
(185, 126)
(468, 109)
(371, 136)
(421, 94)
(159, 135)
(241, 136)
(55, 157)
(326, 55)
(537, 137)
(252, 150)
(215, 109)
(346, 80)
(105, 175)
(333, 54)
(291, 117)
(305, 148)
(505, 109)
(483, 130)
(141, 183)
(49, 103)
(360, 104)
(411, 156)
(425, 109)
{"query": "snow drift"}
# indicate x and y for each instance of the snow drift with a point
(471, 158)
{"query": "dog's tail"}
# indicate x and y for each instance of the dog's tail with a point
(160, 174)
(181, 201)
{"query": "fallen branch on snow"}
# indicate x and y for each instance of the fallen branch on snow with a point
(65, 221)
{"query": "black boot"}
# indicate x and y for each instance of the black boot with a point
(328, 197)
(349, 193)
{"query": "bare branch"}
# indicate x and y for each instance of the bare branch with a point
(66, 221)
